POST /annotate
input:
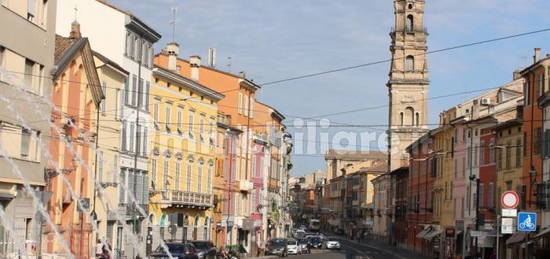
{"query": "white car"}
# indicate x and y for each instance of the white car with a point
(292, 247)
(332, 244)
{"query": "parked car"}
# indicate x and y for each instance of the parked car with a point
(276, 246)
(180, 250)
(332, 244)
(292, 247)
(205, 249)
(315, 242)
(299, 234)
(304, 246)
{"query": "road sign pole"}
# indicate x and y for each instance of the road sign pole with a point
(498, 235)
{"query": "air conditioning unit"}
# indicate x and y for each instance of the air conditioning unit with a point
(485, 101)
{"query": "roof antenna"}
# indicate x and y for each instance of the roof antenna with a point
(173, 22)
(229, 64)
(75, 13)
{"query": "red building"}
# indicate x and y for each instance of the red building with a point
(419, 213)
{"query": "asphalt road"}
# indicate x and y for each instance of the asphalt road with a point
(348, 251)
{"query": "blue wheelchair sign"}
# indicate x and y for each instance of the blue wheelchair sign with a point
(527, 221)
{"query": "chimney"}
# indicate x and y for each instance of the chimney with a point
(516, 75)
(172, 50)
(195, 64)
(75, 31)
(211, 57)
(537, 55)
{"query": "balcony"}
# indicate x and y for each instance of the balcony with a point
(181, 199)
(245, 185)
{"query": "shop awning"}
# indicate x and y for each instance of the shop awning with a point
(423, 233)
(516, 238)
(432, 234)
(544, 232)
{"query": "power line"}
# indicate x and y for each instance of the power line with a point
(390, 59)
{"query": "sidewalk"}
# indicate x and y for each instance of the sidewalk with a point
(382, 245)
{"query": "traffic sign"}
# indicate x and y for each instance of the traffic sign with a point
(509, 212)
(527, 221)
(507, 226)
(509, 200)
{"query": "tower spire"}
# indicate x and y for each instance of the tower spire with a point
(408, 82)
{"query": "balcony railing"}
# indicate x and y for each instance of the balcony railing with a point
(174, 197)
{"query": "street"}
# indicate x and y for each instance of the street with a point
(350, 250)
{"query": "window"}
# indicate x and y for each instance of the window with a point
(179, 118)
(178, 175)
(201, 128)
(417, 117)
(165, 181)
(401, 118)
(153, 173)
(409, 64)
(140, 94)
(410, 23)
(538, 140)
(131, 142)
(199, 177)
(191, 120)
(251, 108)
(527, 93)
(123, 146)
(189, 172)
(167, 114)
(209, 180)
(28, 79)
(146, 95)
(134, 90)
(156, 111)
(137, 48)
(129, 45)
(240, 104)
(145, 137)
(518, 153)
(25, 142)
(126, 95)
(138, 139)
(123, 186)
(481, 196)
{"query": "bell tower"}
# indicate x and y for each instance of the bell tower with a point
(408, 80)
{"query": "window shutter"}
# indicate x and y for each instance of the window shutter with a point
(131, 185)
(122, 187)
(139, 187)
(126, 96)
(146, 96)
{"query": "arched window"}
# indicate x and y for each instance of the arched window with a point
(401, 118)
(409, 63)
(417, 119)
(410, 23)
(409, 116)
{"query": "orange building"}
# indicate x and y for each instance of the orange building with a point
(76, 96)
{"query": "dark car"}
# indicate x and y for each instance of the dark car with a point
(205, 249)
(180, 250)
(315, 242)
(276, 246)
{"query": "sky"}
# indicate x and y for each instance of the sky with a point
(277, 39)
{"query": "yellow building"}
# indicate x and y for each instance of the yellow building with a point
(112, 78)
(183, 157)
(442, 187)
